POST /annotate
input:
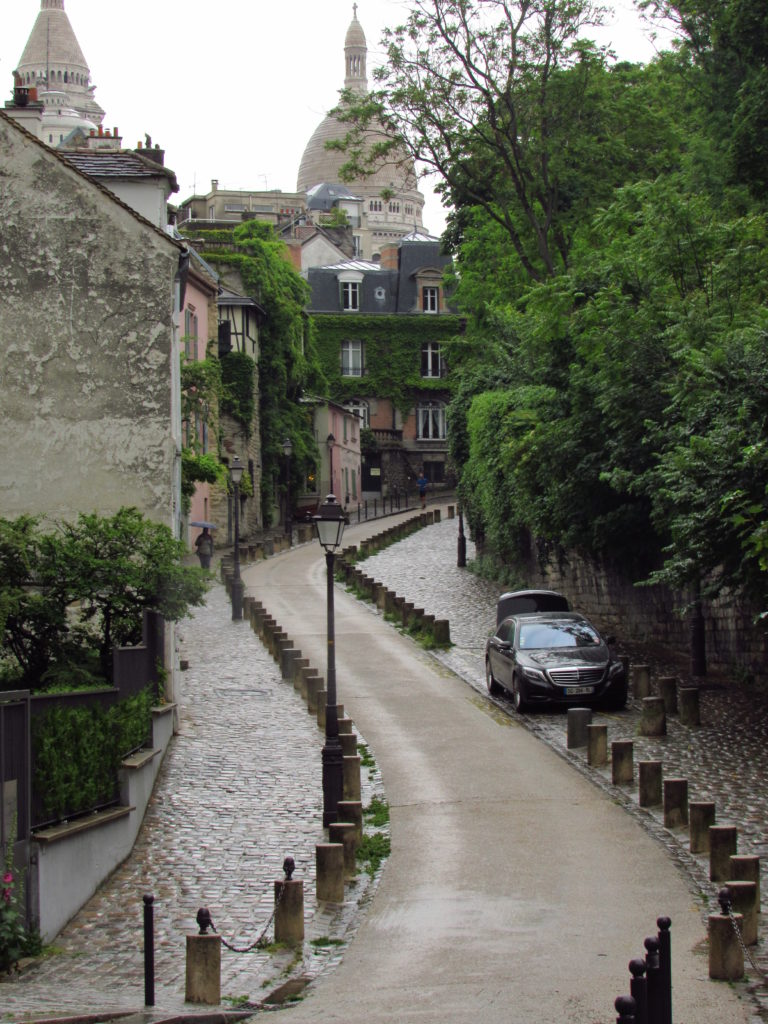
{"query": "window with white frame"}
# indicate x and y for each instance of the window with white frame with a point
(430, 299)
(375, 206)
(359, 409)
(351, 358)
(431, 360)
(350, 295)
(431, 421)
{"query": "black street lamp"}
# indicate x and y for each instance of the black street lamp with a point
(330, 522)
(235, 476)
(461, 554)
(330, 441)
(287, 449)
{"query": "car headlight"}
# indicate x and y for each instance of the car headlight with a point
(535, 674)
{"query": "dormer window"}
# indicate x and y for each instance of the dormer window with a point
(350, 296)
(430, 299)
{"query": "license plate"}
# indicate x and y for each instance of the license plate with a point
(574, 691)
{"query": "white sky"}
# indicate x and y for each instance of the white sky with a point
(234, 89)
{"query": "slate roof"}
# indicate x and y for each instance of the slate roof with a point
(113, 163)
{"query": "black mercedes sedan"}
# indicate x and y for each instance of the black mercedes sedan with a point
(553, 658)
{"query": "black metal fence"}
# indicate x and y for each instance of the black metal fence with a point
(650, 988)
(134, 668)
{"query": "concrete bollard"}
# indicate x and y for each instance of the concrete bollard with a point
(597, 745)
(289, 912)
(441, 631)
(675, 803)
(653, 718)
(298, 668)
(345, 725)
(622, 762)
(576, 729)
(701, 817)
(745, 867)
(322, 696)
(726, 957)
(690, 713)
(641, 681)
(329, 862)
(288, 657)
(451, 511)
(352, 789)
(437, 515)
(649, 783)
(348, 741)
(313, 684)
(744, 902)
(203, 970)
(723, 841)
(668, 692)
(344, 832)
(352, 810)
(407, 612)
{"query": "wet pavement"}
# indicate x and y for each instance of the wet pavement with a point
(725, 760)
(245, 732)
(239, 790)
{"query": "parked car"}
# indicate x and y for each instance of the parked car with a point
(553, 657)
(517, 601)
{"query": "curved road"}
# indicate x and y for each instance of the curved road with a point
(515, 892)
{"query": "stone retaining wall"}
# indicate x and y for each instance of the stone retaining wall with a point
(735, 645)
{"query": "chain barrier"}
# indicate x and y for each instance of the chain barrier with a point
(205, 920)
(726, 907)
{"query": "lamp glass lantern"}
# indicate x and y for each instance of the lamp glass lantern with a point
(287, 447)
(330, 522)
(236, 471)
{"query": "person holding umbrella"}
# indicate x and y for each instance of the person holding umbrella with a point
(204, 545)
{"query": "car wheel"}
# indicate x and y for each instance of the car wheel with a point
(618, 700)
(493, 687)
(518, 695)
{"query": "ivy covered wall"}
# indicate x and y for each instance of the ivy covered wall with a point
(391, 354)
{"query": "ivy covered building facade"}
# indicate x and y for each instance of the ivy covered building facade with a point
(381, 329)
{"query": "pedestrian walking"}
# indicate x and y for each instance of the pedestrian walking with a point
(421, 483)
(204, 545)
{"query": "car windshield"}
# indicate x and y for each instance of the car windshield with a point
(537, 635)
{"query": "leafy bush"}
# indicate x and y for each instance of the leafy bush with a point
(77, 752)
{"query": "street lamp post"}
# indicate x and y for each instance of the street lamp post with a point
(330, 522)
(330, 441)
(461, 554)
(235, 476)
(287, 449)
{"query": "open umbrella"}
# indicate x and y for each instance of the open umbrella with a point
(201, 522)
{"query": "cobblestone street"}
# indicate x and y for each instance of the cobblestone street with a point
(239, 790)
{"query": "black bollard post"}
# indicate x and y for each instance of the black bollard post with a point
(653, 979)
(625, 1007)
(638, 990)
(149, 951)
(665, 968)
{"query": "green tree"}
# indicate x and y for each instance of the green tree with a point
(83, 586)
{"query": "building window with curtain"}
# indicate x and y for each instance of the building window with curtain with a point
(430, 299)
(350, 296)
(351, 358)
(359, 409)
(431, 421)
(431, 360)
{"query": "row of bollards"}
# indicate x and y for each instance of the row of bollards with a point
(390, 603)
(650, 990)
(739, 873)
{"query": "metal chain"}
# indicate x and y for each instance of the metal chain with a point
(746, 952)
(260, 943)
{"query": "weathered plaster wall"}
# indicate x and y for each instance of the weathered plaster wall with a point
(86, 343)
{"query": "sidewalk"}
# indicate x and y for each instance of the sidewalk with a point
(240, 789)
